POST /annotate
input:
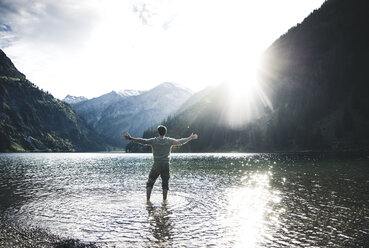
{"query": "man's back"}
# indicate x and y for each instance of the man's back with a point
(161, 148)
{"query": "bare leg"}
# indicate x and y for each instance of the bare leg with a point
(148, 193)
(165, 194)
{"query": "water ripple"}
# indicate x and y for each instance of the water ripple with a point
(216, 200)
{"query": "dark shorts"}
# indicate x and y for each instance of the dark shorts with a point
(162, 170)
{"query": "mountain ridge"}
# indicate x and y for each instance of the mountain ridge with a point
(33, 120)
(131, 111)
(74, 99)
(316, 77)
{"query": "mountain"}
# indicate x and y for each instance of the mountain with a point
(195, 98)
(74, 99)
(319, 72)
(127, 93)
(135, 114)
(316, 79)
(7, 68)
(33, 120)
(131, 111)
(92, 110)
(206, 115)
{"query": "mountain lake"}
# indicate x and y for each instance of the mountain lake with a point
(215, 200)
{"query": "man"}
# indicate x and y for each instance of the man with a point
(161, 148)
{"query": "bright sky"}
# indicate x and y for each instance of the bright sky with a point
(91, 47)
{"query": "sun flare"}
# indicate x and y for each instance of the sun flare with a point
(247, 98)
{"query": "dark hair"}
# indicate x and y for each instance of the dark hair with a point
(162, 130)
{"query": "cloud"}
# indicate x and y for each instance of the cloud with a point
(5, 28)
(6, 36)
(61, 23)
(89, 47)
(45, 39)
(166, 25)
(143, 13)
(155, 13)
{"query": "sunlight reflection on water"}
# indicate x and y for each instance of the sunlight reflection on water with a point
(216, 200)
(249, 209)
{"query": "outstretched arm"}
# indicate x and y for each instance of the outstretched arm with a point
(137, 140)
(183, 141)
(127, 136)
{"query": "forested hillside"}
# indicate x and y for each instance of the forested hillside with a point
(316, 77)
(33, 120)
(319, 73)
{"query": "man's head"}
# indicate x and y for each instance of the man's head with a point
(162, 130)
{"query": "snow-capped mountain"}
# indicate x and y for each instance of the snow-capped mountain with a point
(126, 93)
(92, 110)
(74, 99)
(132, 111)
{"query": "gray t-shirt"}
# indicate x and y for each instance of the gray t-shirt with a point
(161, 147)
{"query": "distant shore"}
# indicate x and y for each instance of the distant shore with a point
(342, 152)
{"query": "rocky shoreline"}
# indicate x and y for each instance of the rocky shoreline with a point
(15, 236)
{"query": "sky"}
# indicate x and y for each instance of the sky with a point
(91, 47)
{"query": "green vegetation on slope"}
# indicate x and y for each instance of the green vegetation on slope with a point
(33, 120)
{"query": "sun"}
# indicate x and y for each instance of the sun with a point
(247, 99)
(243, 90)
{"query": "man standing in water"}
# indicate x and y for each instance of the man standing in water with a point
(161, 148)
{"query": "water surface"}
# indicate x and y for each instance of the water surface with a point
(215, 200)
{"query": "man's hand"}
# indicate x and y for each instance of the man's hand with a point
(193, 136)
(127, 136)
